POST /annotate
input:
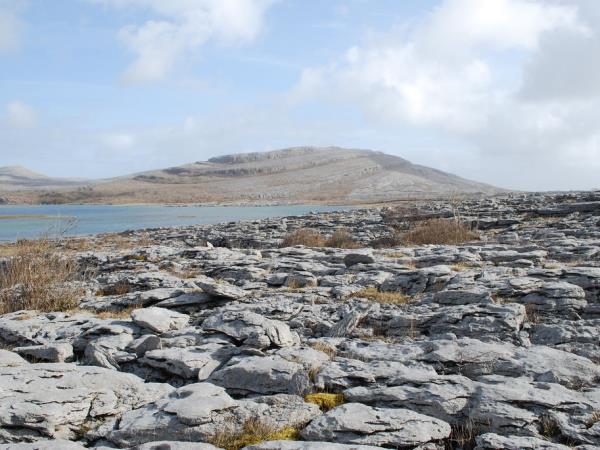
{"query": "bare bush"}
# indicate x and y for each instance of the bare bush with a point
(342, 238)
(303, 236)
(441, 231)
(37, 276)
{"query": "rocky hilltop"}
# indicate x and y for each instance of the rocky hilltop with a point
(294, 175)
(218, 336)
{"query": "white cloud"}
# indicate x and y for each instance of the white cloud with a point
(20, 115)
(118, 141)
(11, 26)
(182, 26)
(517, 79)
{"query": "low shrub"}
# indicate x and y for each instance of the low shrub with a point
(341, 238)
(38, 276)
(303, 236)
(440, 231)
(394, 239)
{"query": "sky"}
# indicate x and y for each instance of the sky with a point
(501, 91)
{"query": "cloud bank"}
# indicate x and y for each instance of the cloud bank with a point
(510, 78)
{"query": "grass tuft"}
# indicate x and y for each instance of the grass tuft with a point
(341, 238)
(254, 432)
(373, 294)
(38, 276)
(303, 236)
(325, 401)
(325, 348)
(440, 232)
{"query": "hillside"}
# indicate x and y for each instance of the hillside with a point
(14, 178)
(301, 174)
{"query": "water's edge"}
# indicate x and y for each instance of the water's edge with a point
(30, 221)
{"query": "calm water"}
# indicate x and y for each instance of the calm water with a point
(91, 219)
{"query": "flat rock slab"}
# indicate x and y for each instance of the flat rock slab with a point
(200, 411)
(159, 320)
(355, 423)
(176, 445)
(40, 401)
(491, 441)
(56, 352)
(195, 362)
(262, 375)
(220, 288)
(58, 444)
(298, 445)
(11, 359)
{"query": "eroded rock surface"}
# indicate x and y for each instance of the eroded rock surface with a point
(205, 331)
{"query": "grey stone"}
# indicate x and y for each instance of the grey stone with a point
(55, 352)
(11, 359)
(220, 288)
(491, 441)
(175, 445)
(57, 444)
(159, 320)
(262, 375)
(358, 258)
(200, 411)
(297, 445)
(354, 423)
(54, 400)
(252, 329)
(192, 362)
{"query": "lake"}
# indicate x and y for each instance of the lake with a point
(24, 221)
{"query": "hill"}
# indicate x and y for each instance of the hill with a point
(293, 175)
(14, 178)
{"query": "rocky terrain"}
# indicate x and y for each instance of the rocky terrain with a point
(217, 337)
(294, 175)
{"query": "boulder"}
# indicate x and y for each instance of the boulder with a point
(354, 423)
(159, 320)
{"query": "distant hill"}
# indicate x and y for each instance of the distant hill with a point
(293, 175)
(15, 178)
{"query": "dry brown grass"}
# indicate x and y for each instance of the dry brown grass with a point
(122, 314)
(532, 313)
(548, 427)
(38, 276)
(325, 348)
(395, 239)
(254, 432)
(324, 400)
(463, 435)
(120, 288)
(460, 267)
(303, 236)
(342, 238)
(594, 419)
(395, 255)
(373, 294)
(440, 231)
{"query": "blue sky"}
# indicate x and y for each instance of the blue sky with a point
(100, 88)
